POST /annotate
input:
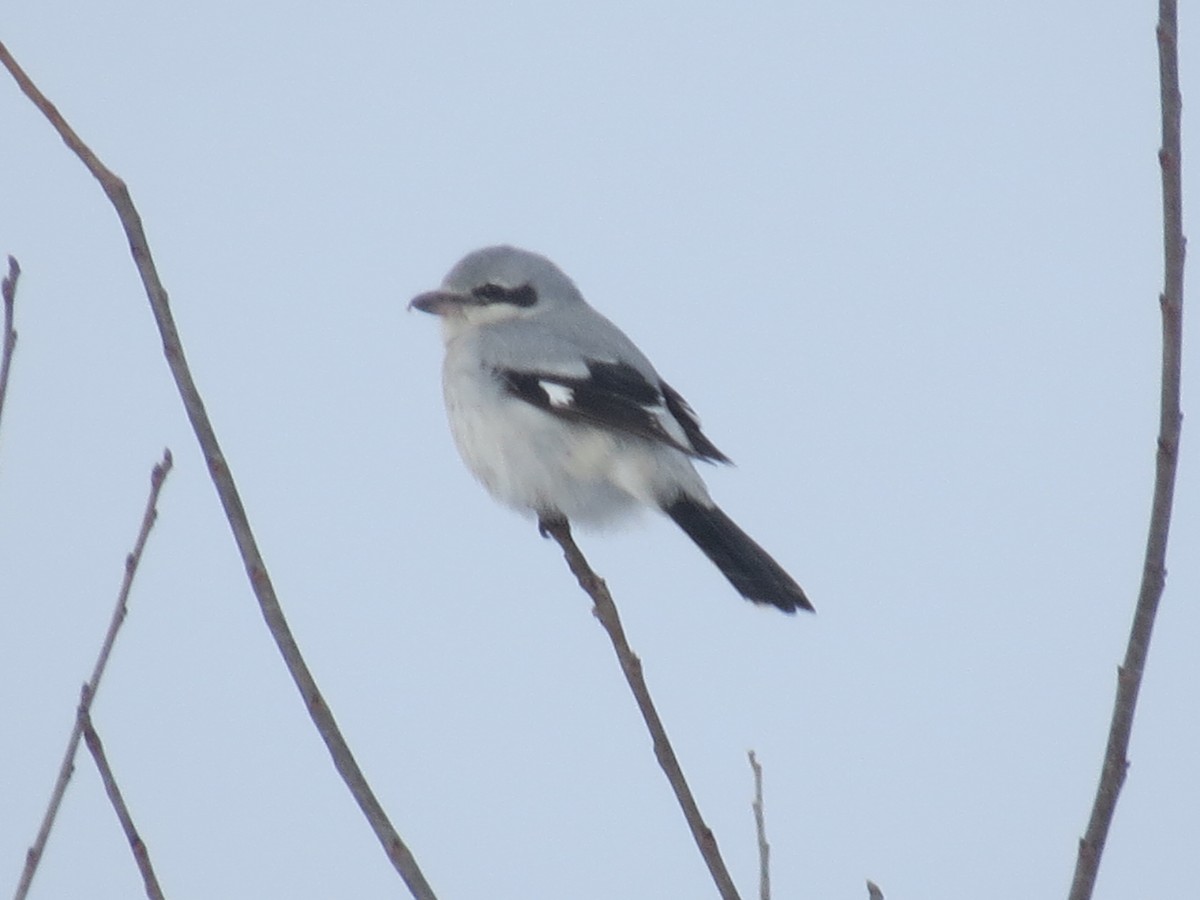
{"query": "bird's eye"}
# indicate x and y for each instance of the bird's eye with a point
(493, 293)
(524, 295)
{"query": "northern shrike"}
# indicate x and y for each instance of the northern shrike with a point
(557, 412)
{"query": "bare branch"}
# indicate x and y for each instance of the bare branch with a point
(9, 340)
(157, 476)
(140, 854)
(873, 891)
(606, 611)
(760, 828)
(1129, 676)
(260, 581)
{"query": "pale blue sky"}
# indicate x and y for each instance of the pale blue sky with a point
(903, 259)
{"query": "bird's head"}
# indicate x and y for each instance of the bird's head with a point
(498, 284)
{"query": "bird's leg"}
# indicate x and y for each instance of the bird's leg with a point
(553, 525)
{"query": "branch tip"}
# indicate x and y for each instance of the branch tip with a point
(1115, 763)
(87, 693)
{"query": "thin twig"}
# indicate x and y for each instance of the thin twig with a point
(606, 612)
(760, 828)
(157, 476)
(9, 341)
(260, 581)
(140, 855)
(1129, 676)
(873, 891)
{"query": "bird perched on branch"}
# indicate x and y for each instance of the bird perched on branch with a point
(559, 414)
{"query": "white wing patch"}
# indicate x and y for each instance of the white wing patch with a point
(559, 395)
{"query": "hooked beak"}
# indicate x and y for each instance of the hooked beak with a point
(439, 302)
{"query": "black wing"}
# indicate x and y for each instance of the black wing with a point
(690, 422)
(615, 396)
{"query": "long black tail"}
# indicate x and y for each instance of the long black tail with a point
(748, 566)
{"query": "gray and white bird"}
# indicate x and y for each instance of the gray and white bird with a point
(559, 414)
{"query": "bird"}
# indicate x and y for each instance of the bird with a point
(559, 414)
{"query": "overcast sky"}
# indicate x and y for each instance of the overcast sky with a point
(902, 258)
